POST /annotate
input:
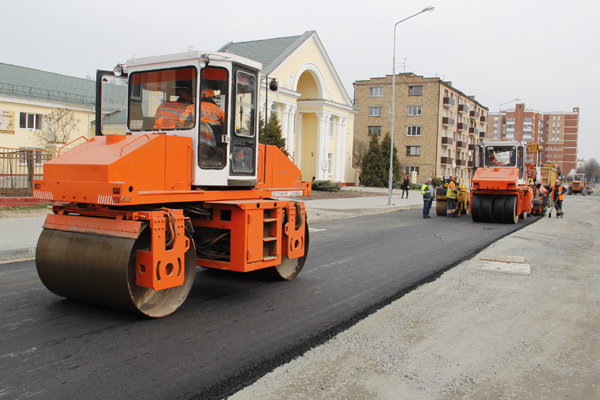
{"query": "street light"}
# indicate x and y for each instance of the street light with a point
(426, 9)
(500, 112)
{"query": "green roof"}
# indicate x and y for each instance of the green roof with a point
(269, 52)
(31, 83)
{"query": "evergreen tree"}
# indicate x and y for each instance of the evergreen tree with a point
(273, 131)
(385, 151)
(373, 172)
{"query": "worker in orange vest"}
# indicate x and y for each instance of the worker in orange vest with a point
(176, 114)
(452, 197)
(558, 194)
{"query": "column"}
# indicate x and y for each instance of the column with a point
(299, 144)
(322, 146)
(290, 128)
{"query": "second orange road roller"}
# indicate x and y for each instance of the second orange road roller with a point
(501, 191)
(174, 180)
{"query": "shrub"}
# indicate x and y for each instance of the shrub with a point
(436, 181)
(326, 186)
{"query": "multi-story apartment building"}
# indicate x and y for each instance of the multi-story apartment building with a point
(556, 132)
(436, 125)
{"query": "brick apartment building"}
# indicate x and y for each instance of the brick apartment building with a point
(556, 132)
(436, 125)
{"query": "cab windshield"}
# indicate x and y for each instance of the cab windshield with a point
(162, 99)
(500, 156)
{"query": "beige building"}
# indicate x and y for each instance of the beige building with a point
(436, 125)
(316, 113)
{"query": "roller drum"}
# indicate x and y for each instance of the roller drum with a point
(101, 270)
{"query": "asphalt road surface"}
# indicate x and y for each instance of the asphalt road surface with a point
(233, 328)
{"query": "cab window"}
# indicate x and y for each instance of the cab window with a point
(162, 99)
(245, 94)
(213, 138)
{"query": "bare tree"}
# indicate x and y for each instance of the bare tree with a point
(57, 127)
(359, 150)
(591, 169)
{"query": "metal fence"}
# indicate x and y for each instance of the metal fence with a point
(18, 169)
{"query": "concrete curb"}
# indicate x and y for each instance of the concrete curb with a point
(20, 254)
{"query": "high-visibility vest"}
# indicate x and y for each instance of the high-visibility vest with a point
(171, 115)
(425, 191)
(211, 113)
(558, 191)
(450, 191)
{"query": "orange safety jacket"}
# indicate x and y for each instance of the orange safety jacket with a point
(558, 191)
(451, 192)
(211, 113)
(171, 115)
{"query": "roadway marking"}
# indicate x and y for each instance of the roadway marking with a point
(316, 230)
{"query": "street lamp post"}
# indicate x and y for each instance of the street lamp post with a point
(426, 9)
(500, 112)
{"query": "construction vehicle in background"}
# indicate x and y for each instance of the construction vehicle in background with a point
(579, 185)
(549, 174)
(187, 184)
(500, 191)
(462, 200)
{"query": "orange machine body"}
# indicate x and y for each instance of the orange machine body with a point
(95, 182)
(502, 181)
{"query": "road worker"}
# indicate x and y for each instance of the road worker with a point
(492, 159)
(452, 197)
(176, 114)
(557, 193)
(427, 192)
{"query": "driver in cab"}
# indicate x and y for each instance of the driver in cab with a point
(176, 114)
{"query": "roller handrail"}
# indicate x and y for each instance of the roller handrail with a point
(72, 141)
(193, 172)
(121, 155)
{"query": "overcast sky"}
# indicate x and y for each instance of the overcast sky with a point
(545, 52)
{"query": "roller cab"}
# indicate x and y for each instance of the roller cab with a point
(500, 188)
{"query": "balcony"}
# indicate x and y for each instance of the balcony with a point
(447, 141)
(474, 114)
(446, 160)
(461, 163)
(470, 164)
(447, 121)
(471, 147)
(473, 131)
(449, 102)
(483, 120)
(462, 108)
(462, 127)
(461, 145)
(482, 134)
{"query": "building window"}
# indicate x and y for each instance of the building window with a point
(413, 150)
(31, 121)
(413, 130)
(415, 90)
(411, 168)
(330, 163)
(375, 111)
(414, 111)
(374, 130)
(375, 92)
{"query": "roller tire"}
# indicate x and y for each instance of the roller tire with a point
(499, 211)
(510, 210)
(290, 268)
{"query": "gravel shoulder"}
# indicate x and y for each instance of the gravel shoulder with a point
(474, 334)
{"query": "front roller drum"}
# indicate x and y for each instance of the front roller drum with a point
(101, 270)
(441, 208)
